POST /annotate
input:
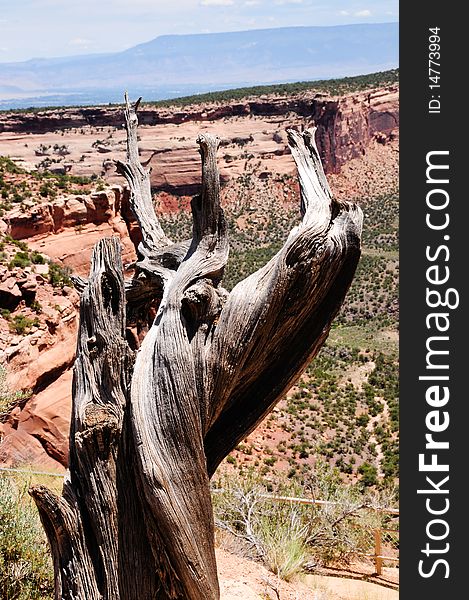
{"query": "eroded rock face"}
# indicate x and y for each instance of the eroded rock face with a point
(40, 358)
(254, 127)
(345, 127)
(67, 228)
(38, 434)
(57, 215)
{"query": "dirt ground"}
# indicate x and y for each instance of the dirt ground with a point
(243, 579)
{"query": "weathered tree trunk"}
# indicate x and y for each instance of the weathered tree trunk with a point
(150, 427)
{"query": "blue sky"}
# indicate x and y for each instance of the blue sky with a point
(45, 28)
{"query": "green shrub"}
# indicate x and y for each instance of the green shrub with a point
(369, 474)
(59, 275)
(18, 243)
(9, 398)
(37, 258)
(21, 259)
(8, 166)
(36, 306)
(47, 190)
(21, 324)
(25, 564)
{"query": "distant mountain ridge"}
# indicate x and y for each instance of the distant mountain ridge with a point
(172, 65)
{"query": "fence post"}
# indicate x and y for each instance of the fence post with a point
(378, 559)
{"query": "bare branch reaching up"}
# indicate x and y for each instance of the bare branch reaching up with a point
(276, 320)
(135, 520)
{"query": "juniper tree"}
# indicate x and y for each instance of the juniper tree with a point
(152, 422)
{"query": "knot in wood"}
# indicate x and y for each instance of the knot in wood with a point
(101, 429)
(202, 303)
(92, 344)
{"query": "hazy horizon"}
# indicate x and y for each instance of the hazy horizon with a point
(180, 65)
(143, 42)
(53, 28)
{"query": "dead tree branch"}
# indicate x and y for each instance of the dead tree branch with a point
(149, 430)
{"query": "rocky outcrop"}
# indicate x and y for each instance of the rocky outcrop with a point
(37, 350)
(36, 358)
(66, 230)
(71, 211)
(346, 125)
(10, 293)
(38, 433)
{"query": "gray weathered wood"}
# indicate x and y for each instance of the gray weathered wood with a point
(149, 429)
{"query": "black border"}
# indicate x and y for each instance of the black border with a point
(422, 132)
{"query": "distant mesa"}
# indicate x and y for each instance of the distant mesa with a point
(178, 65)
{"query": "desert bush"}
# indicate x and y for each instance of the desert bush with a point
(37, 258)
(285, 535)
(59, 275)
(272, 532)
(9, 398)
(21, 324)
(21, 259)
(25, 564)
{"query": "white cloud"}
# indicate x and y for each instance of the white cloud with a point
(280, 2)
(80, 42)
(344, 13)
(252, 3)
(216, 2)
(363, 13)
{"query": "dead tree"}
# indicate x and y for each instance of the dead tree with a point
(151, 425)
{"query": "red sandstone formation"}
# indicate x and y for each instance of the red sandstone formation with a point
(355, 135)
(255, 127)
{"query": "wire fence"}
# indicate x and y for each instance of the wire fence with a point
(383, 547)
(361, 540)
(378, 547)
(377, 542)
(28, 472)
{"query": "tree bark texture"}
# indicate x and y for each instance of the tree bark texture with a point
(150, 425)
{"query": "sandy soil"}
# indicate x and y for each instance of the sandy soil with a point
(243, 579)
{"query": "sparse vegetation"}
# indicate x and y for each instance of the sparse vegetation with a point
(59, 275)
(21, 324)
(342, 86)
(21, 259)
(347, 422)
(8, 398)
(25, 564)
(17, 186)
(286, 536)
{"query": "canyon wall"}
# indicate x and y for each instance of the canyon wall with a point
(346, 124)
(64, 229)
